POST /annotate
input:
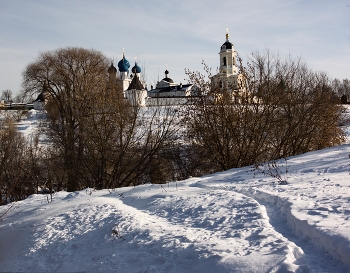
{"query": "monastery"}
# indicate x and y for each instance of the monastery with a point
(166, 91)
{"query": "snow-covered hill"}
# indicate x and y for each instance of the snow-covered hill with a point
(224, 222)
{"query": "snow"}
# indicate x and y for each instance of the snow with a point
(231, 221)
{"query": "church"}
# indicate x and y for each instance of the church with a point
(166, 91)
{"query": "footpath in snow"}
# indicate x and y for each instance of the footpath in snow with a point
(224, 222)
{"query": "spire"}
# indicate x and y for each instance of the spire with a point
(123, 58)
(227, 35)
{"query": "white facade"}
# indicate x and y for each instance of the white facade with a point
(166, 101)
(136, 97)
(125, 81)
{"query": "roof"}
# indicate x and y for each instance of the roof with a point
(135, 84)
(226, 45)
(168, 80)
(178, 87)
(41, 97)
(123, 65)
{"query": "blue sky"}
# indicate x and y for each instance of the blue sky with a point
(179, 34)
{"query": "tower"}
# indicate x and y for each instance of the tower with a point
(123, 66)
(227, 78)
(228, 57)
(136, 92)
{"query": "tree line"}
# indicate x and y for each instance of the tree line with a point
(7, 97)
(99, 140)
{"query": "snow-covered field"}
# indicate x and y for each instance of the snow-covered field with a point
(224, 222)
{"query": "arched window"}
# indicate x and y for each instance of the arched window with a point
(224, 61)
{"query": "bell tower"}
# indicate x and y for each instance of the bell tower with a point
(228, 79)
(123, 66)
(228, 58)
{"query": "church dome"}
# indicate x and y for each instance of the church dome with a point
(123, 65)
(226, 45)
(136, 68)
(166, 77)
(168, 80)
(112, 69)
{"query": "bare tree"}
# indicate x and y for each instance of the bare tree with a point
(304, 113)
(18, 99)
(123, 142)
(15, 181)
(98, 138)
(6, 95)
(342, 89)
(67, 75)
(285, 109)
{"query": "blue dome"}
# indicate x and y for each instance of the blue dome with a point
(123, 65)
(136, 68)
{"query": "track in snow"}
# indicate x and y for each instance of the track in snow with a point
(314, 257)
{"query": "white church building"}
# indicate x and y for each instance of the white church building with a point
(166, 91)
